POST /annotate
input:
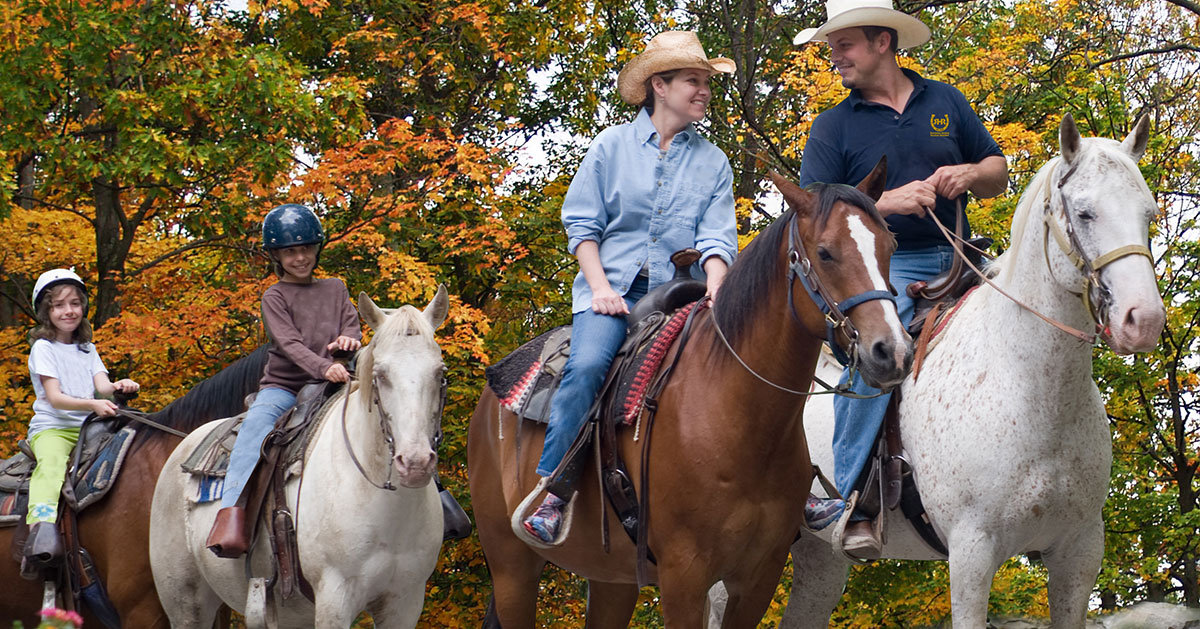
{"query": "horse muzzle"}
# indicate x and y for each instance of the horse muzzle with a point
(1135, 328)
(415, 470)
(885, 363)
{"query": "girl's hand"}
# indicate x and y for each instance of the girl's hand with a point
(606, 301)
(103, 408)
(337, 373)
(346, 344)
(125, 385)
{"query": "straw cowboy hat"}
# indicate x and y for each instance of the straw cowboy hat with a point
(846, 13)
(669, 50)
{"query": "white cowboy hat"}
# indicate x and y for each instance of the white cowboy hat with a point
(846, 13)
(669, 50)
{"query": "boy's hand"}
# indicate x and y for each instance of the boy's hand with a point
(104, 408)
(337, 373)
(346, 344)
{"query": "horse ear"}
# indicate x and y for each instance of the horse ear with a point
(1135, 142)
(872, 185)
(372, 314)
(797, 197)
(1068, 138)
(436, 311)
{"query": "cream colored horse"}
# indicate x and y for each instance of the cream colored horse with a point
(361, 547)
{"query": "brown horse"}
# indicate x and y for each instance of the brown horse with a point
(728, 461)
(116, 530)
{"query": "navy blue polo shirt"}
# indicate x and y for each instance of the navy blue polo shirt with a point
(938, 128)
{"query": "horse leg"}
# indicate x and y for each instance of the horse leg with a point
(1073, 564)
(749, 598)
(399, 611)
(974, 560)
(610, 604)
(818, 580)
(515, 571)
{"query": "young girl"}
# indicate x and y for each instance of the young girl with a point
(306, 319)
(67, 377)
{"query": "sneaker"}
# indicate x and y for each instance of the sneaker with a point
(545, 520)
(820, 513)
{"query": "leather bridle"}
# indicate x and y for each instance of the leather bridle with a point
(1096, 295)
(800, 268)
(385, 427)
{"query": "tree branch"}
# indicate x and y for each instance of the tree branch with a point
(1143, 53)
(206, 242)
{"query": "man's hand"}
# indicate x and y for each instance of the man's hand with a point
(337, 373)
(346, 344)
(950, 182)
(911, 198)
(606, 301)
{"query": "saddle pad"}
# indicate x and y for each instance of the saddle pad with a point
(929, 330)
(526, 380)
(636, 380)
(99, 475)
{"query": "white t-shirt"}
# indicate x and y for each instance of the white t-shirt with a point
(74, 371)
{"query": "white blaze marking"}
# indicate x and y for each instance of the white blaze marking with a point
(865, 240)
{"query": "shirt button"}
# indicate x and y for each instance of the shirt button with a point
(660, 184)
(896, 117)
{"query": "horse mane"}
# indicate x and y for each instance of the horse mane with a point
(757, 272)
(1031, 197)
(222, 395)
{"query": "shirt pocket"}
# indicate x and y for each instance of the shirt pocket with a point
(693, 199)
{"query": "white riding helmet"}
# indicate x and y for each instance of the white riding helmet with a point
(53, 278)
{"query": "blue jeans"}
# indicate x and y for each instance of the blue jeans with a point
(268, 405)
(595, 340)
(857, 421)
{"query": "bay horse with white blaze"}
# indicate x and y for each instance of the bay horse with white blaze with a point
(116, 530)
(727, 454)
(1004, 426)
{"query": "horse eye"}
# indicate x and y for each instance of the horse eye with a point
(1086, 215)
(824, 254)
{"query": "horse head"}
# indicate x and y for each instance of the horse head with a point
(402, 376)
(840, 250)
(1099, 210)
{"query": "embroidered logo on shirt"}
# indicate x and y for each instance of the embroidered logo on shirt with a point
(939, 126)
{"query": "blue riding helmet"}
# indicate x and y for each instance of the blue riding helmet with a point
(290, 225)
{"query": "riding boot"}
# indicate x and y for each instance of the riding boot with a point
(861, 541)
(44, 546)
(228, 535)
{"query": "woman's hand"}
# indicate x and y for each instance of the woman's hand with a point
(715, 269)
(337, 373)
(606, 301)
(344, 343)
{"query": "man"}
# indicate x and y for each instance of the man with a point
(937, 152)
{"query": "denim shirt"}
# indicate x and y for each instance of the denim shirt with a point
(642, 204)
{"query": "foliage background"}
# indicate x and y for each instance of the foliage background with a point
(141, 144)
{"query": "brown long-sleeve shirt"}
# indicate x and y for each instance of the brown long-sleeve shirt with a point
(302, 319)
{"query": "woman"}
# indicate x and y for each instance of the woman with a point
(645, 189)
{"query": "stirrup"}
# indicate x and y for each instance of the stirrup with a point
(838, 529)
(518, 519)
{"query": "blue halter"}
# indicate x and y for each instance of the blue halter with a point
(799, 267)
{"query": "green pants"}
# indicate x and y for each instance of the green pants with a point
(52, 447)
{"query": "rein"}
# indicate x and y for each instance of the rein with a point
(800, 267)
(144, 418)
